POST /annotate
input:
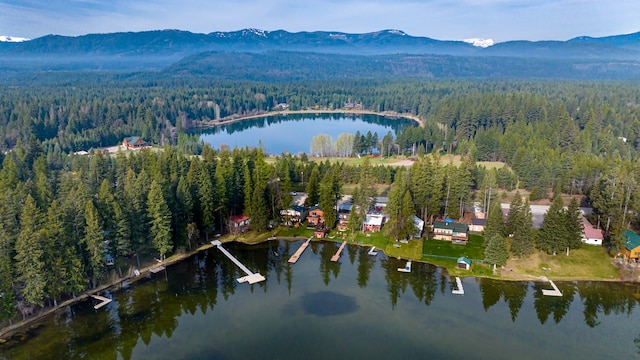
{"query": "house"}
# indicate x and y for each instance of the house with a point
(464, 263)
(477, 225)
(419, 223)
(373, 222)
(380, 203)
(238, 224)
(450, 231)
(631, 249)
(134, 142)
(315, 216)
(591, 235)
(320, 231)
(344, 211)
(294, 215)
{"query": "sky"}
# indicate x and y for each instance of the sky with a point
(500, 20)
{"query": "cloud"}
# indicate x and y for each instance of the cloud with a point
(441, 19)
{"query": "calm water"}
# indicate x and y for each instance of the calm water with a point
(360, 307)
(293, 133)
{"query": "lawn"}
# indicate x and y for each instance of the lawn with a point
(472, 250)
(587, 263)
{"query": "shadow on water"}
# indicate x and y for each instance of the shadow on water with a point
(328, 303)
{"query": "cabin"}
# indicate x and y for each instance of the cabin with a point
(451, 231)
(294, 215)
(380, 203)
(134, 142)
(631, 249)
(344, 212)
(373, 222)
(477, 225)
(315, 216)
(463, 263)
(238, 224)
(591, 235)
(320, 231)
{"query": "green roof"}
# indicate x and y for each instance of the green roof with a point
(457, 227)
(631, 239)
(464, 259)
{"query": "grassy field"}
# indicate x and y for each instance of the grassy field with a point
(586, 263)
(473, 250)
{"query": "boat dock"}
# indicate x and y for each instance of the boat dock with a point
(554, 292)
(299, 252)
(336, 257)
(373, 251)
(460, 289)
(104, 300)
(406, 268)
(251, 277)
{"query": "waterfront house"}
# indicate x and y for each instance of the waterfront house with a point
(373, 222)
(477, 225)
(134, 142)
(631, 249)
(294, 215)
(315, 216)
(450, 231)
(591, 235)
(320, 231)
(238, 224)
(344, 211)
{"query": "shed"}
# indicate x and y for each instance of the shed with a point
(464, 263)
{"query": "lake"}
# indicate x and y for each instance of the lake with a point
(293, 133)
(359, 307)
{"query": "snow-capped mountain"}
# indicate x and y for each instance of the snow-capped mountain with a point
(479, 42)
(5, 38)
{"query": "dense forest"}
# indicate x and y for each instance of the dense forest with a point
(62, 212)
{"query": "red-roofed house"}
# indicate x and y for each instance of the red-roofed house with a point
(591, 235)
(238, 224)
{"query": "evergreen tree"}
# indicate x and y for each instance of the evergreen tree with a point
(522, 239)
(94, 242)
(573, 222)
(515, 213)
(159, 220)
(552, 237)
(313, 188)
(30, 265)
(407, 213)
(496, 251)
(495, 223)
(328, 200)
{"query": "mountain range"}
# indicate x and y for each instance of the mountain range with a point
(157, 50)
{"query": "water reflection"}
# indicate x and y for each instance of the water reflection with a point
(201, 299)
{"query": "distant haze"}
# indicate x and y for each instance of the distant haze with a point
(500, 20)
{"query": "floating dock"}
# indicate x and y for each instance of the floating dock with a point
(299, 252)
(460, 289)
(406, 268)
(251, 277)
(336, 257)
(104, 300)
(373, 251)
(157, 269)
(554, 292)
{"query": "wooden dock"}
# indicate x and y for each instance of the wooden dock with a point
(372, 251)
(406, 268)
(251, 277)
(104, 300)
(157, 269)
(460, 289)
(299, 252)
(336, 257)
(554, 292)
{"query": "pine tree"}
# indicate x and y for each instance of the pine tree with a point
(94, 243)
(573, 222)
(496, 251)
(495, 223)
(523, 239)
(407, 213)
(159, 220)
(328, 200)
(515, 212)
(552, 237)
(313, 188)
(30, 266)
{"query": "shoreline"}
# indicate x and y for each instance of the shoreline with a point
(236, 118)
(9, 331)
